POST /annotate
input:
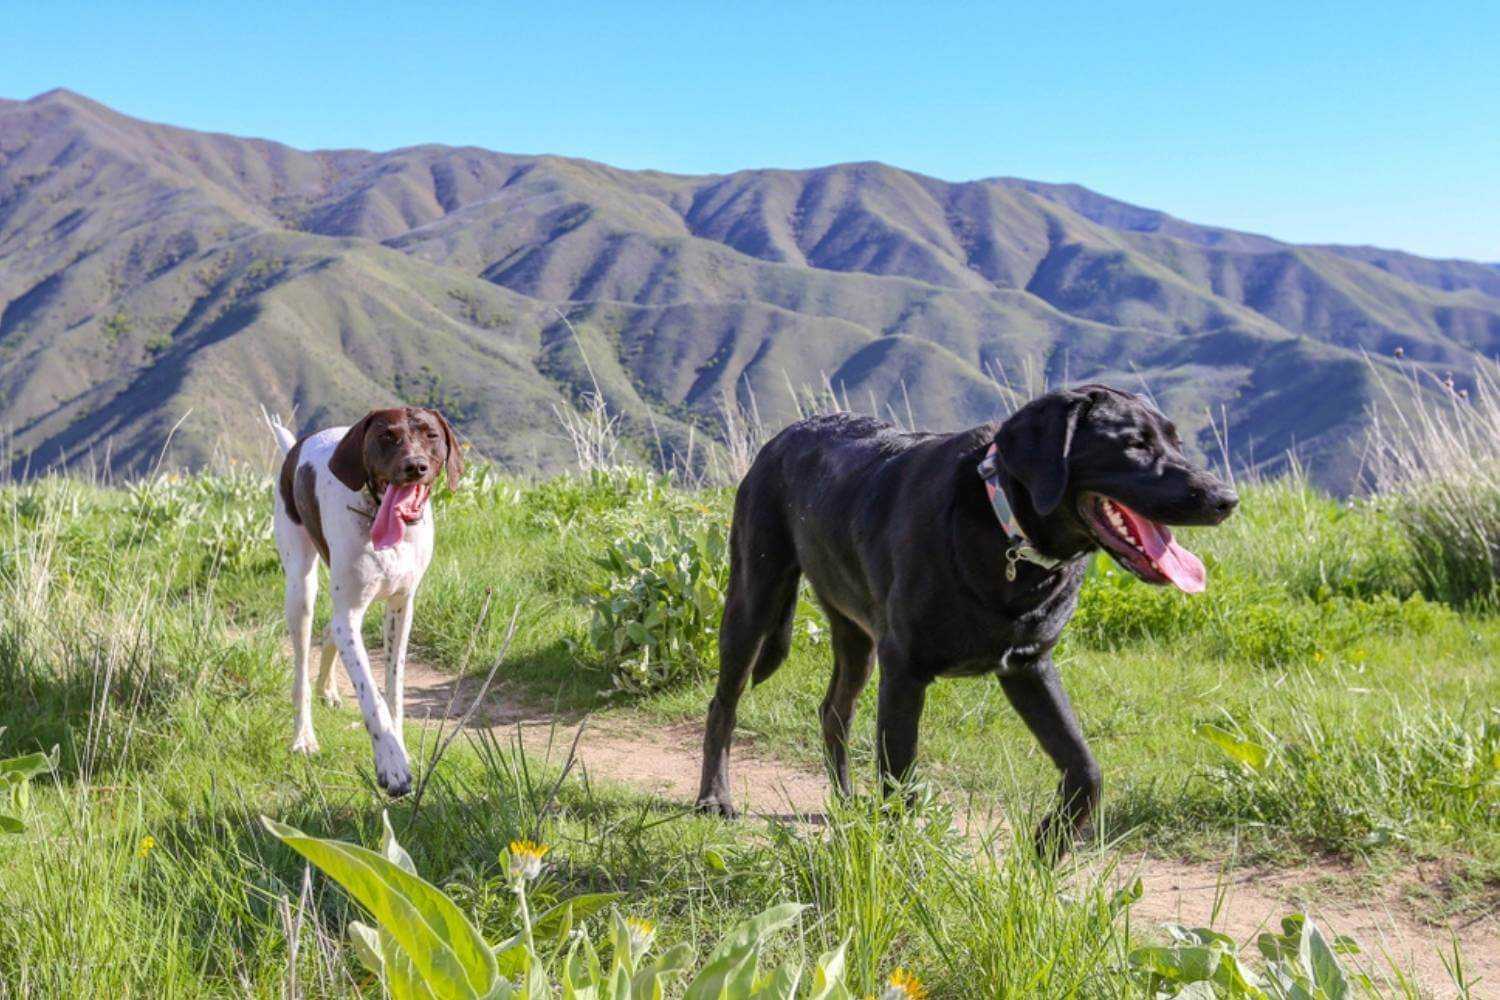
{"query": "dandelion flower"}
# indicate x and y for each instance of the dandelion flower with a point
(903, 986)
(526, 859)
(641, 933)
(146, 846)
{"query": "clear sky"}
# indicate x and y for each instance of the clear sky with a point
(1359, 123)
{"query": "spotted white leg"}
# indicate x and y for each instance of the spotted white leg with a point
(398, 635)
(392, 769)
(328, 688)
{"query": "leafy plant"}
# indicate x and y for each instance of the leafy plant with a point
(15, 776)
(424, 947)
(1300, 964)
(655, 618)
(239, 540)
(161, 502)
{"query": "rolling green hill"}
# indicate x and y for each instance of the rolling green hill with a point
(150, 272)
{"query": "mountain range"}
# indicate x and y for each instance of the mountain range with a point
(158, 283)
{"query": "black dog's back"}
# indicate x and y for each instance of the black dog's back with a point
(822, 474)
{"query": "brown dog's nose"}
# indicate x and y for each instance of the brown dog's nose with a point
(415, 468)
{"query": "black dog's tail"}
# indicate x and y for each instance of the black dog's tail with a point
(756, 632)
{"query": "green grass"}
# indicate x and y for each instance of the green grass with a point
(141, 633)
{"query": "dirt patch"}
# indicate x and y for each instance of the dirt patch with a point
(663, 760)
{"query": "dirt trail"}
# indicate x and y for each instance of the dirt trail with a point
(664, 760)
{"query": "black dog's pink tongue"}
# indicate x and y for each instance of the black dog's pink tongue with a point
(1174, 562)
(389, 528)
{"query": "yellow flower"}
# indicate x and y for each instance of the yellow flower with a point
(903, 986)
(526, 858)
(147, 844)
(641, 933)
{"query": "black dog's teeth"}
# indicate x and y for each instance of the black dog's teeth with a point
(1117, 521)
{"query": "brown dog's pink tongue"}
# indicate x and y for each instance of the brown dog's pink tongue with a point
(1174, 562)
(389, 528)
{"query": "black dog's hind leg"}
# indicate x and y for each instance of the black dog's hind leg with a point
(852, 661)
(1037, 694)
(754, 638)
(900, 710)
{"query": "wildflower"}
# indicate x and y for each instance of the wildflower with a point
(641, 933)
(526, 859)
(146, 846)
(903, 986)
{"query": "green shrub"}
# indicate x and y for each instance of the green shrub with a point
(15, 777)
(655, 617)
(424, 947)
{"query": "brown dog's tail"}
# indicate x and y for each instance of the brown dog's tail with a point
(284, 437)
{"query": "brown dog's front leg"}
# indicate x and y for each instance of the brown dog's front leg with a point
(1036, 693)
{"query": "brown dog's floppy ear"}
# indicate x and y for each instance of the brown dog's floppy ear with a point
(453, 461)
(348, 460)
(1034, 445)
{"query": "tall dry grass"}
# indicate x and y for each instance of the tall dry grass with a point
(1435, 457)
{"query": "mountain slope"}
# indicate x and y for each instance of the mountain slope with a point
(148, 271)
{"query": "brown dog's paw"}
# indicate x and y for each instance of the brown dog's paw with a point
(717, 807)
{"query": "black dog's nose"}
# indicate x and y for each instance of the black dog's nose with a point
(1225, 502)
(415, 469)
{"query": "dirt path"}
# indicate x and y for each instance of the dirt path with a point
(664, 760)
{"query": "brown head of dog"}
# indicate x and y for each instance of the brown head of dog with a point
(397, 455)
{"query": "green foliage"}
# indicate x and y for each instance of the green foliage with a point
(1242, 618)
(114, 327)
(15, 783)
(424, 947)
(1300, 964)
(656, 616)
(1438, 773)
(238, 540)
(1454, 532)
(163, 501)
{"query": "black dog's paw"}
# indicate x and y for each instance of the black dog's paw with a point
(717, 807)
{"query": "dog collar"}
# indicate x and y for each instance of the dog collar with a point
(1019, 548)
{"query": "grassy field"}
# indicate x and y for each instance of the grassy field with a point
(141, 635)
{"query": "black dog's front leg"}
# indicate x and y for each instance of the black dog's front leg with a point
(899, 712)
(1036, 693)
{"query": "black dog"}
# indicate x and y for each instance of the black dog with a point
(908, 544)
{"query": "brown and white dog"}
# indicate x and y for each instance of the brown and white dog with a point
(358, 497)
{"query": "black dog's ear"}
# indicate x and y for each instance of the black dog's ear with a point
(1034, 445)
(347, 463)
(453, 460)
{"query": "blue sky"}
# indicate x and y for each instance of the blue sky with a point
(1369, 123)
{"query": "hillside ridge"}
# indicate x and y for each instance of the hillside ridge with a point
(147, 271)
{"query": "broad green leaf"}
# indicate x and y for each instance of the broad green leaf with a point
(393, 851)
(366, 942)
(25, 766)
(1186, 964)
(1127, 896)
(714, 860)
(445, 949)
(511, 956)
(757, 928)
(401, 979)
(780, 984)
(582, 907)
(828, 975)
(10, 824)
(1245, 752)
